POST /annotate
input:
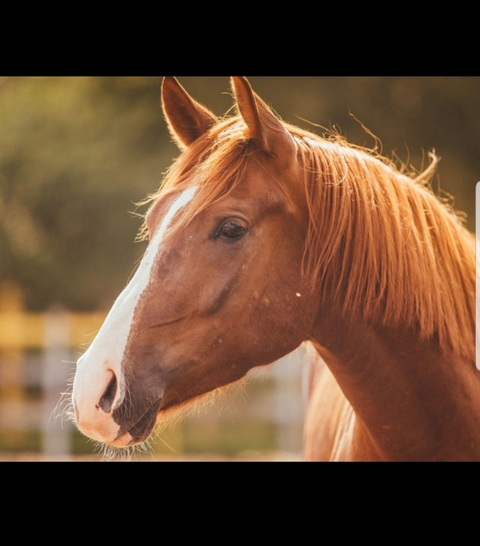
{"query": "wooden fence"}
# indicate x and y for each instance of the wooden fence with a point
(20, 330)
(58, 336)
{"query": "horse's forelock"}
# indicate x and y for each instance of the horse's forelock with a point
(214, 163)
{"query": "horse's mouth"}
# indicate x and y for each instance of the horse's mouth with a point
(142, 429)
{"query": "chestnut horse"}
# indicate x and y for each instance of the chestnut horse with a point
(264, 236)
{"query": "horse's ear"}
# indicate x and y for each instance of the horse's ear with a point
(263, 125)
(186, 118)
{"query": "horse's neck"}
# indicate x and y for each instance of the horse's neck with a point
(411, 400)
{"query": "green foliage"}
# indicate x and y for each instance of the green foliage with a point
(73, 160)
(77, 153)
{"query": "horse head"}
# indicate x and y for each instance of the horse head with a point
(220, 288)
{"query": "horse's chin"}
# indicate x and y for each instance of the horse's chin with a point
(125, 440)
(138, 432)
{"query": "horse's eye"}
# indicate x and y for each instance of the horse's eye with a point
(232, 229)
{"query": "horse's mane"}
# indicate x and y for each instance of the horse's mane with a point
(386, 247)
(379, 241)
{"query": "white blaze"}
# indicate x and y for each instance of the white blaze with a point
(104, 357)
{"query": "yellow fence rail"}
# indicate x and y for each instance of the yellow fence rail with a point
(22, 330)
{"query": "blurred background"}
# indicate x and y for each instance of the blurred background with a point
(77, 153)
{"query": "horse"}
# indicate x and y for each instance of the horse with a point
(264, 236)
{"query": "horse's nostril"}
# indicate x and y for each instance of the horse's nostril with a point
(108, 397)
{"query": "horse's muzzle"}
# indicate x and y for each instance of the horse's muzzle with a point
(137, 429)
